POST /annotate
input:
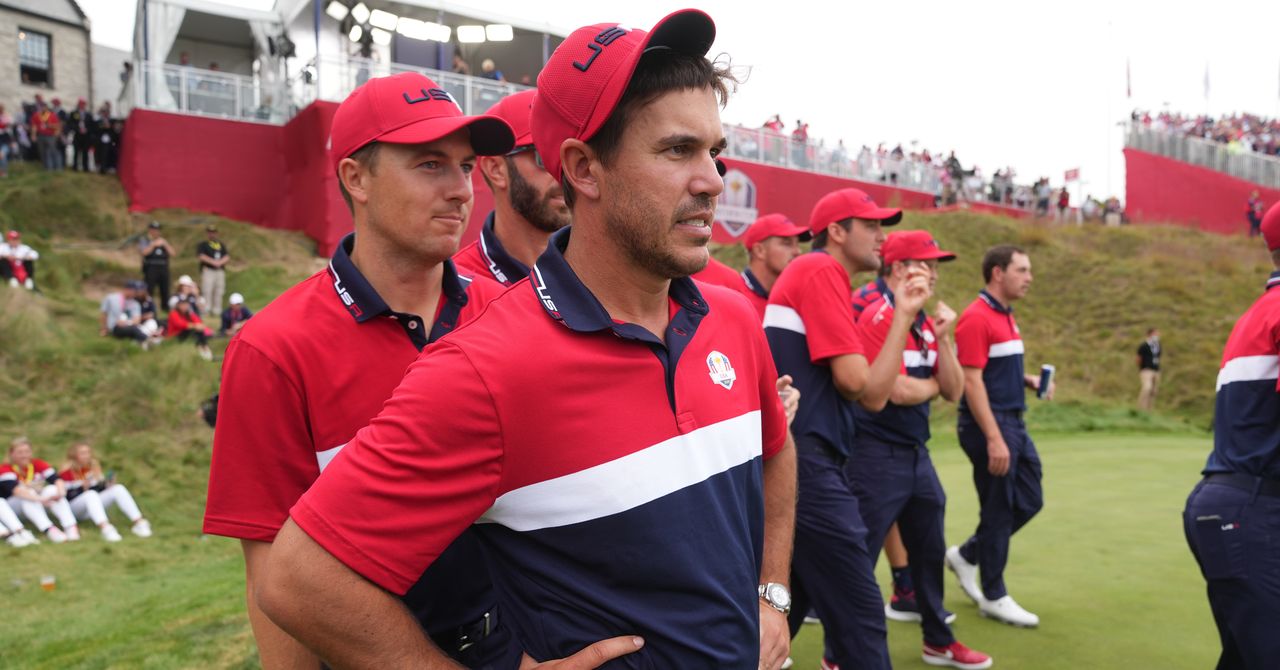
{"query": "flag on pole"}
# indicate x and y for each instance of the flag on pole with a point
(1071, 175)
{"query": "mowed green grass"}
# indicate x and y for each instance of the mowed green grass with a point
(1104, 564)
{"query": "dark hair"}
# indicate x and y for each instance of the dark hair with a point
(999, 256)
(367, 157)
(658, 72)
(1150, 331)
(820, 237)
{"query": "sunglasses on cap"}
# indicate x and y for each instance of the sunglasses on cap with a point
(537, 157)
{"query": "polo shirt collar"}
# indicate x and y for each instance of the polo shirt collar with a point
(887, 294)
(1274, 280)
(993, 303)
(360, 298)
(500, 262)
(569, 301)
(754, 284)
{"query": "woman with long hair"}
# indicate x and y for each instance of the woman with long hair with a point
(32, 489)
(85, 479)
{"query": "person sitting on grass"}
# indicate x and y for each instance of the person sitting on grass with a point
(83, 474)
(188, 292)
(18, 262)
(122, 315)
(234, 316)
(31, 488)
(185, 323)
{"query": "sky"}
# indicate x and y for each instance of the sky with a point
(1037, 86)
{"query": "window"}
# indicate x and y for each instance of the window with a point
(35, 57)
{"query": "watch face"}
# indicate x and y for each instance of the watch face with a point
(779, 595)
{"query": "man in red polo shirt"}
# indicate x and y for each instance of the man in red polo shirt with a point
(613, 428)
(316, 365)
(528, 203)
(814, 339)
(772, 242)
(1006, 465)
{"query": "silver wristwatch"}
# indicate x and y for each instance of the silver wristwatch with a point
(777, 596)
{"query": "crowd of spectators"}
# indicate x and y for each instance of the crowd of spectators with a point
(131, 313)
(32, 490)
(59, 138)
(1239, 132)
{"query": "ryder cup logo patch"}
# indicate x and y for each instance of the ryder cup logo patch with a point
(721, 370)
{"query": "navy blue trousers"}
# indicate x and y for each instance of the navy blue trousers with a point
(831, 570)
(898, 483)
(1008, 502)
(1235, 537)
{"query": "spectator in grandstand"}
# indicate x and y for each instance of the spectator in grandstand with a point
(84, 477)
(156, 252)
(122, 315)
(800, 144)
(1149, 370)
(185, 323)
(235, 315)
(8, 143)
(773, 139)
(18, 262)
(772, 242)
(1113, 212)
(1253, 213)
(214, 256)
(528, 203)
(489, 70)
(187, 291)
(107, 147)
(32, 489)
(82, 128)
(460, 64)
(47, 128)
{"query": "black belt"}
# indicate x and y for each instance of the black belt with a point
(462, 637)
(1264, 486)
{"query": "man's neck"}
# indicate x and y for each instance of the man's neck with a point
(763, 274)
(628, 293)
(521, 239)
(999, 295)
(851, 267)
(408, 285)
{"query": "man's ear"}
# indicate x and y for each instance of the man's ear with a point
(494, 170)
(580, 165)
(354, 178)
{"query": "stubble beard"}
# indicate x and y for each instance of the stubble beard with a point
(537, 211)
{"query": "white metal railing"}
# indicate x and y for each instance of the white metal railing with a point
(1233, 160)
(188, 90)
(335, 77)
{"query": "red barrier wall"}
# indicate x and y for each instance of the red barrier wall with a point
(1163, 190)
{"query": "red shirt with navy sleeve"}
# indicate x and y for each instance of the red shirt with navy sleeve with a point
(809, 320)
(898, 424)
(486, 257)
(1246, 421)
(298, 381)
(37, 474)
(755, 292)
(867, 294)
(614, 477)
(987, 337)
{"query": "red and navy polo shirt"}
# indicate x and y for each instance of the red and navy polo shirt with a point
(719, 274)
(898, 424)
(987, 337)
(755, 292)
(486, 257)
(809, 320)
(615, 477)
(36, 474)
(299, 379)
(868, 294)
(1246, 422)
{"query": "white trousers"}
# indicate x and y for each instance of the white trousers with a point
(118, 495)
(35, 512)
(9, 519)
(88, 505)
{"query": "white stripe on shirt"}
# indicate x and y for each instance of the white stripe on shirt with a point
(1249, 369)
(1003, 349)
(778, 316)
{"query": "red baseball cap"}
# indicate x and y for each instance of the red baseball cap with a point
(773, 225)
(850, 203)
(912, 245)
(409, 108)
(584, 79)
(12, 234)
(514, 109)
(1271, 227)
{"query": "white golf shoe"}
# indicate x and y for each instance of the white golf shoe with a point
(966, 573)
(1008, 611)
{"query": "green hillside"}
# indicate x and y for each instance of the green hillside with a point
(175, 600)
